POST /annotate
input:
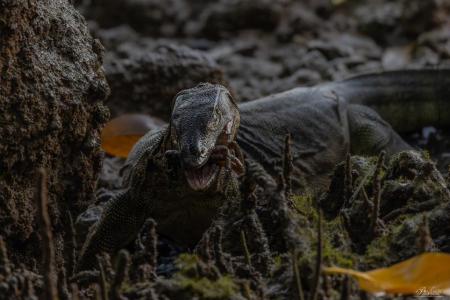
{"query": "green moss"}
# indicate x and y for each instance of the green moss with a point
(380, 248)
(304, 204)
(187, 262)
(222, 288)
(336, 245)
(277, 260)
(426, 155)
(188, 280)
(332, 255)
(376, 251)
(335, 256)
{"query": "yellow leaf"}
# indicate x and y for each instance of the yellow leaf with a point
(120, 134)
(427, 274)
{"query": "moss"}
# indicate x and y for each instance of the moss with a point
(304, 204)
(277, 262)
(380, 249)
(339, 255)
(222, 288)
(426, 155)
(333, 256)
(189, 281)
(376, 251)
(187, 262)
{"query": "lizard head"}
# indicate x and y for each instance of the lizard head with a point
(204, 123)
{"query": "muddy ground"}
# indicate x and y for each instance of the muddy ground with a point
(375, 213)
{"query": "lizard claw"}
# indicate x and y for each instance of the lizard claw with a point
(172, 154)
(103, 195)
(226, 158)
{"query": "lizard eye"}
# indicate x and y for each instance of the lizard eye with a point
(214, 122)
(217, 112)
(216, 119)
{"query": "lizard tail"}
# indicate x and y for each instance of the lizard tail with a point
(408, 100)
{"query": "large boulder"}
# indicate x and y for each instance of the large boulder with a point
(51, 88)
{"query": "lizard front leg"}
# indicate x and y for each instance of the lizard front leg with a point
(119, 224)
(125, 214)
(230, 157)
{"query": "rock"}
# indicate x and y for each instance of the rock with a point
(149, 17)
(409, 185)
(227, 17)
(412, 174)
(114, 37)
(302, 77)
(438, 40)
(334, 45)
(406, 237)
(144, 78)
(51, 88)
(299, 21)
(386, 21)
(109, 177)
(252, 78)
(397, 57)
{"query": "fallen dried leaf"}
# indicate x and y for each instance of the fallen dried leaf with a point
(120, 134)
(427, 274)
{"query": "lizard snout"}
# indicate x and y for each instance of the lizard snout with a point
(194, 156)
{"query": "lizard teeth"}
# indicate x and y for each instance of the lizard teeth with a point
(201, 179)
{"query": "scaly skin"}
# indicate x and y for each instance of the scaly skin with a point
(155, 183)
(326, 122)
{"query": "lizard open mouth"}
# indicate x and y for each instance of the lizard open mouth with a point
(222, 156)
(203, 177)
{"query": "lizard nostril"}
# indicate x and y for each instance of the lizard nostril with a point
(202, 151)
(198, 151)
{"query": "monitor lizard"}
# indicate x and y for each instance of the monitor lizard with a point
(182, 174)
